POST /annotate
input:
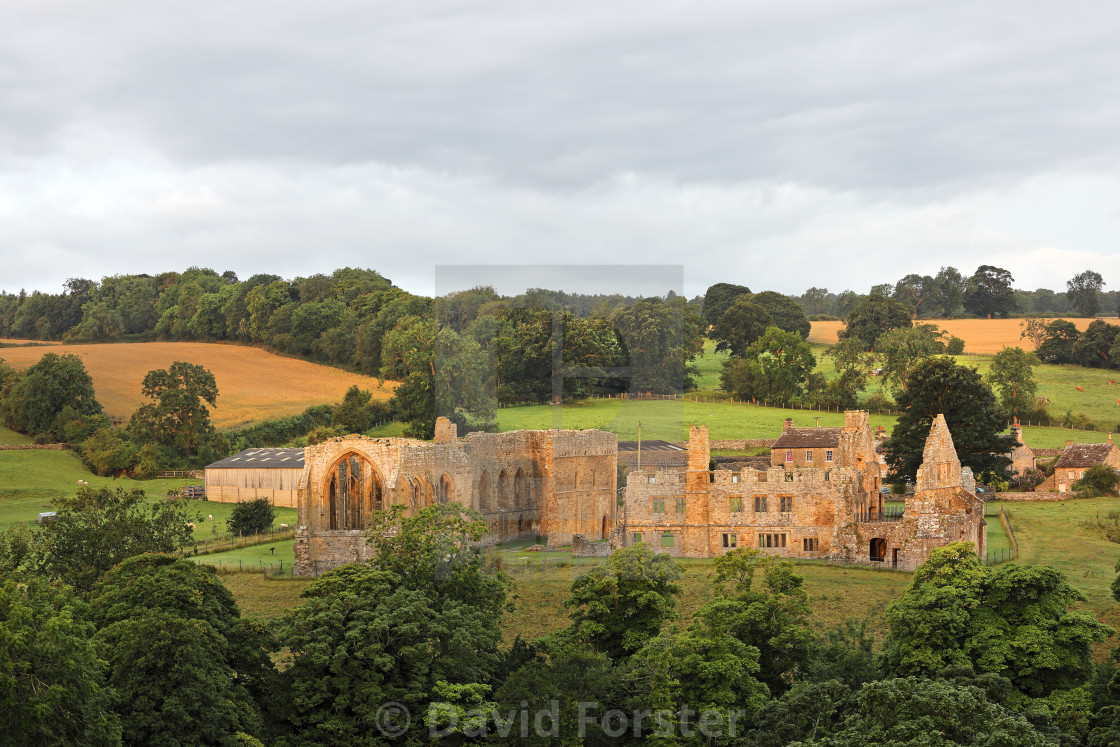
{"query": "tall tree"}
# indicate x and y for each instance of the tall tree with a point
(718, 298)
(1059, 341)
(740, 326)
(47, 388)
(178, 417)
(182, 659)
(1094, 347)
(904, 348)
(52, 679)
(785, 313)
(1084, 292)
(96, 529)
(1014, 621)
(661, 339)
(989, 292)
(1012, 375)
(774, 368)
(618, 606)
(940, 385)
(872, 317)
(948, 291)
(817, 301)
(916, 293)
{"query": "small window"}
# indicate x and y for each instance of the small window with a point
(760, 504)
(734, 478)
(736, 504)
(787, 503)
(827, 476)
(711, 477)
(637, 537)
(730, 540)
(789, 477)
(808, 455)
(680, 505)
(1072, 474)
(651, 479)
(789, 455)
(809, 544)
(828, 455)
(771, 540)
(658, 505)
(668, 540)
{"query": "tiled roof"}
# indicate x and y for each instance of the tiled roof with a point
(808, 438)
(1084, 455)
(262, 459)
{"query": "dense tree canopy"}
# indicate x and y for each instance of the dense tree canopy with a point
(1012, 375)
(740, 326)
(1013, 621)
(873, 317)
(940, 385)
(718, 299)
(52, 679)
(775, 368)
(33, 401)
(177, 417)
(988, 292)
(1083, 291)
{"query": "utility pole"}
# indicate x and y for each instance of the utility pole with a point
(639, 446)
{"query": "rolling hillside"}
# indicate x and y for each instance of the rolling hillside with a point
(253, 384)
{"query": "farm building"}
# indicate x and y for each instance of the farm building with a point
(1075, 460)
(256, 473)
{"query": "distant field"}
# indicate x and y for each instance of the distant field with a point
(253, 384)
(669, 420)
(979, 335)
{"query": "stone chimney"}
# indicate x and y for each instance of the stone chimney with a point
(1069, 443)
(787, 425)
(446, 431)
(1017, 432)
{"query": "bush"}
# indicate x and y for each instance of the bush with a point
(1100, 479)
(879, 402)
(323, 433)
(955, 346)
(251, 517)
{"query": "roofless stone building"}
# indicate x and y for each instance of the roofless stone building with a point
(819, 498)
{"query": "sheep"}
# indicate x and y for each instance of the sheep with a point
(283, 526)
(190, 525)
(210, 517)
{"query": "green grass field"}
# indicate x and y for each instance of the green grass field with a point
(1048, 532)
(275, 556)
(30, 480)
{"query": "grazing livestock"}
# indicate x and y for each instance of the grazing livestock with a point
(1080, 389)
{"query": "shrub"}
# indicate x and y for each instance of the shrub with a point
(251, 517)
(1100, 479)
(878, 402)
(955, 346)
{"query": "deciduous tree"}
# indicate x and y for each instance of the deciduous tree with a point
(775, 368)
(872, 317)
(989, 292)
(1012, 375)
(177, 418)
(1084, 292)
(740, 326)
(940, 385)
(901, 349)
(37, 397)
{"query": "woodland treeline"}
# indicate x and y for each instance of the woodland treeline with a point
(109, 638)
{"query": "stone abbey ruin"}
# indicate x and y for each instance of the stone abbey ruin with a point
(818, 498)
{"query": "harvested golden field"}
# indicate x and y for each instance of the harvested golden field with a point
(253, 384)
(979, 335)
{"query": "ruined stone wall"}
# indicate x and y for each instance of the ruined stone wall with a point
(723, 514)
(581, 469)
(525, 483)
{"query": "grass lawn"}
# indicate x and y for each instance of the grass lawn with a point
(11, 437)
(273, 556)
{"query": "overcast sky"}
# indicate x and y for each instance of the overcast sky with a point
(784, 144)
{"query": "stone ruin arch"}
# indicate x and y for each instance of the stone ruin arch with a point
(353, 489)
